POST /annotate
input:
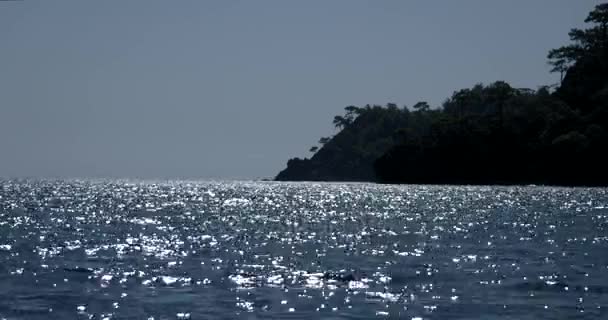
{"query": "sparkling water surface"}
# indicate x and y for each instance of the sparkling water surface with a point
(222, 250)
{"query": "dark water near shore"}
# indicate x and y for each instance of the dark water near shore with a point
(215, 250)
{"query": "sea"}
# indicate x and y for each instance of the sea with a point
(122, 249)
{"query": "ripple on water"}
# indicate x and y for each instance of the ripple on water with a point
(181, 250)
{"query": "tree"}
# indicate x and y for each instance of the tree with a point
(340, 122)
(583, 63)
(392, 106)
(421, 106)
(352, 110)
(600, 16)
(585, 42)
(313, 149)
(563, 58)
(324, 140)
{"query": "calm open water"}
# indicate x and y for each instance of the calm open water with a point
(222, 250)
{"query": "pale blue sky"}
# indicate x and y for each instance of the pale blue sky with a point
(232, 89)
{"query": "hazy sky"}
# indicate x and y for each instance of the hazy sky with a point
(232, 89)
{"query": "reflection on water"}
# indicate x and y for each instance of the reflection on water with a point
(192, 250)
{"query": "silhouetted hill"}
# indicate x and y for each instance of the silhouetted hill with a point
(493, 134)
(366, 134)
(501, 135)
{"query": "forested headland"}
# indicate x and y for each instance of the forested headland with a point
(487, 134)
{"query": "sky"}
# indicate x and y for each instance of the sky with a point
(233, 89)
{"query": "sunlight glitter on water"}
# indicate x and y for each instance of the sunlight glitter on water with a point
(106, 249)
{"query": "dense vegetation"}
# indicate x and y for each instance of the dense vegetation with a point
(366, 134)
(493, 134)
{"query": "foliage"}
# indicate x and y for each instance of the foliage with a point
(493, 134)
(366, 133)
(584, 63)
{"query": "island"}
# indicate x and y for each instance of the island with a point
(487, 134)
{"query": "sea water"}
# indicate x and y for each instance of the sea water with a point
(84, 249)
